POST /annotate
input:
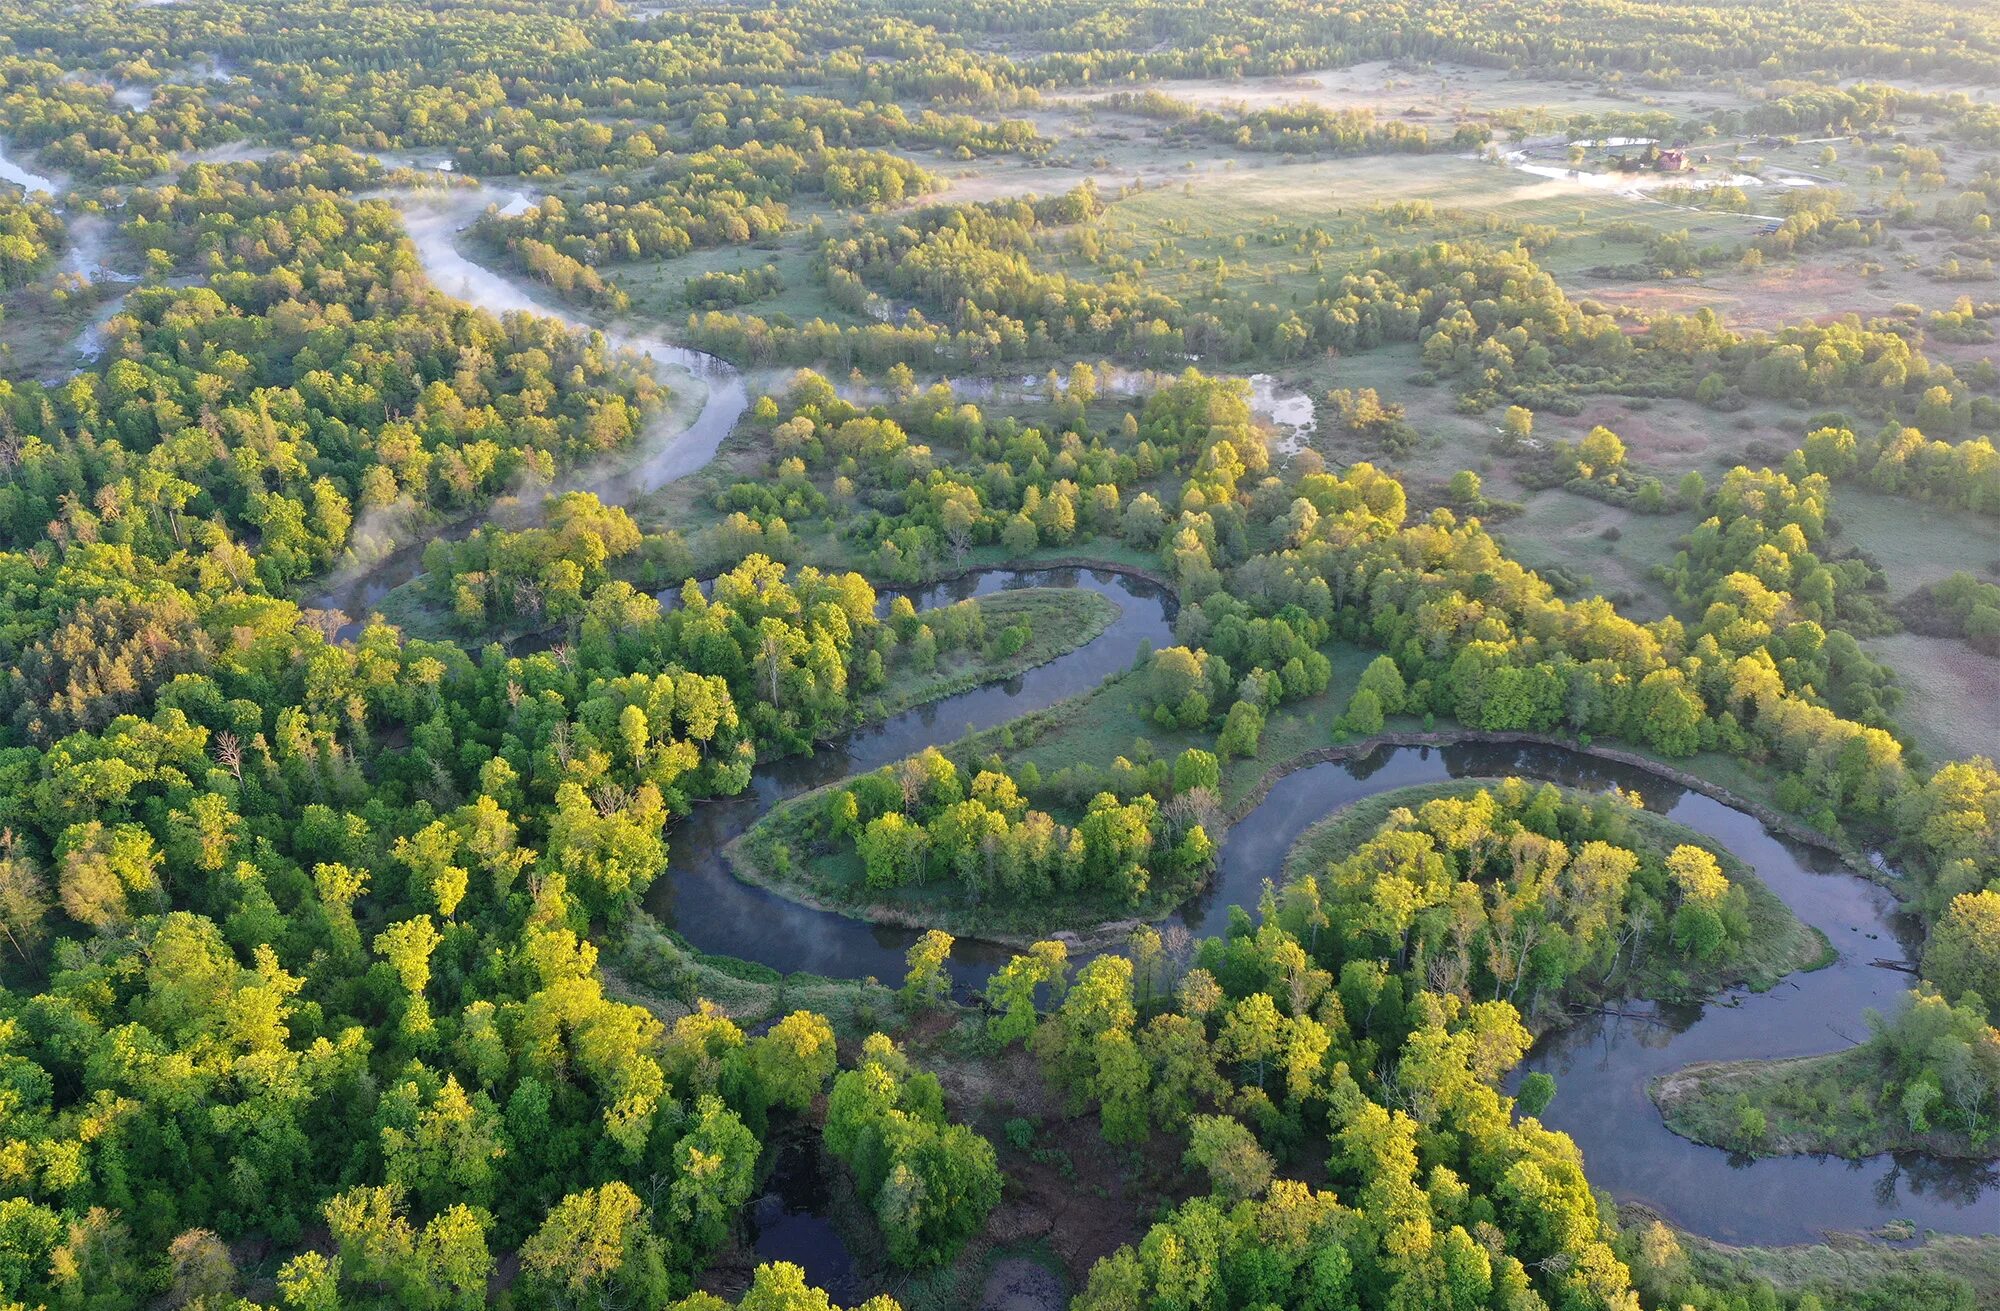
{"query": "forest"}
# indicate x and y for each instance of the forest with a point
(1008, 656)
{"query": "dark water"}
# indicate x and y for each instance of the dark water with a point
(1601, 1065)
(788, 1223)
(720, 915)
(699, 897)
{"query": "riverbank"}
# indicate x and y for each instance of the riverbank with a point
(650, 965)
(1058, 621)
(1771, 818)
(783, 856)
(1846, 1268)
(831, 881)
(1807, 1105)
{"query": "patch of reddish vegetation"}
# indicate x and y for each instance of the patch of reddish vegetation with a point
(1680, 298)
(1667, 428)
(1820, 290)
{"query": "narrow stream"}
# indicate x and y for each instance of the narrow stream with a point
(669, 448)
(87, 238)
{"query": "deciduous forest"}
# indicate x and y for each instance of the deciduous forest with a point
(1006, 656)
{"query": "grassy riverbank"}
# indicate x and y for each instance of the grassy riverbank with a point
(1832, 1104)
(654, 967)
(1849, 1270)
(1059, 620)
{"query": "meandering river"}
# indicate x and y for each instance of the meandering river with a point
(1601, 1066)
(671, 446)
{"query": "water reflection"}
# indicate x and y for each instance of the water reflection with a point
(1602, 1065)
(718, 914)
(789, 1222)
(12, 170)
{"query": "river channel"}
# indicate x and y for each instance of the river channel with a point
(1602, 1065)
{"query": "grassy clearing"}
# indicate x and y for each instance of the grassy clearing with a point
(1809, 1104)
(1605, 549)
(1951, 694)
(658, 287)
(1059, 619)
(1251, 212)
(1848, 1268)
(1406, 88)
(1097, 728)
(1916, 543)
(1231, 213)
(1779, 944)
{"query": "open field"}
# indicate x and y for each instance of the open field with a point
(1915, 542)
(1951, 694)
(1396, 87)
(1253, 214)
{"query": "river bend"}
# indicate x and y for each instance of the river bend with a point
(1601, 1065)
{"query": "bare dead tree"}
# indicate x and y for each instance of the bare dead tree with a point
(229, 753)
(327, 623)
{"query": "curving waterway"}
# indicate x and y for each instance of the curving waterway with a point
(671, 446)
(722, 915)
(1602, 1065)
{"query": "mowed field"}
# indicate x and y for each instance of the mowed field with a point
(1951, 694)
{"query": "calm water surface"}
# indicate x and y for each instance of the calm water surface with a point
(1601, 1066)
